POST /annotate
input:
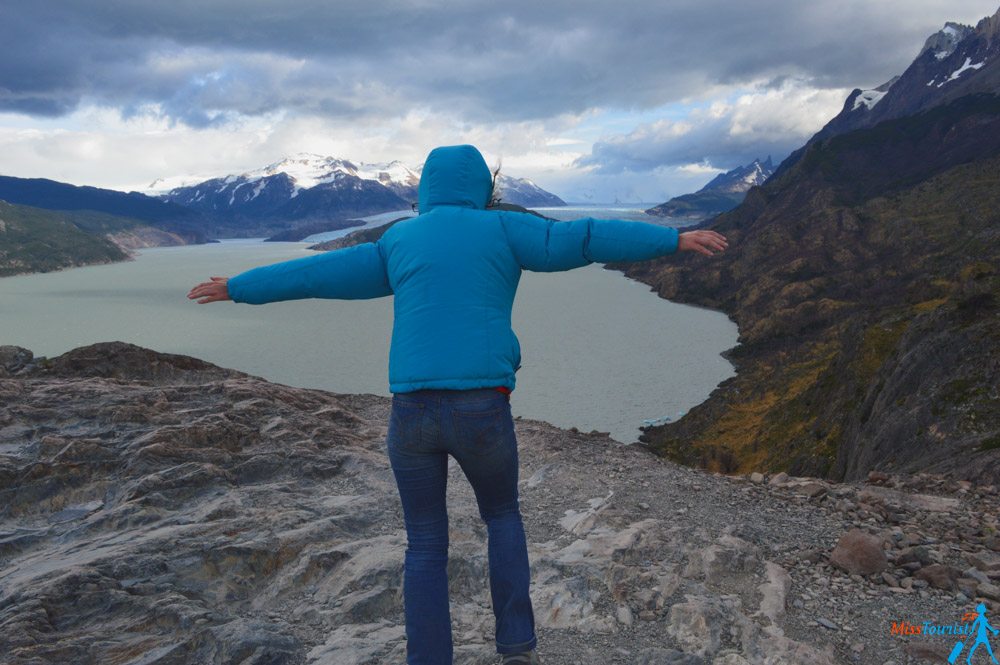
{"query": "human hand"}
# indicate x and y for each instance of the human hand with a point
(210, 291)
(702, 241)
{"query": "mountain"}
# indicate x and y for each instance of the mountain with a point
(865, 281)
(297, 191)
(308, 188)
(525, 193)
(956, 61)
(724, 192)
(38, 240)
(178, 221)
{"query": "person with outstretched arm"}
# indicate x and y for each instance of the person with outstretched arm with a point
(453, 271)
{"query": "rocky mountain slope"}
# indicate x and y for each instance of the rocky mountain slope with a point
(724, 192)
(865, 281)
(956, 61)
(158, 509)
(307, 188)
(38, 240)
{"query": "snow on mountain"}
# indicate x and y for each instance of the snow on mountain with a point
(308, 188)
(308, 170)
(395, 173)
(956, 61)
(724, 192)
(869, 98)
(944, 42)
(958, 72)
(163, 185)
(740, 179)
(524, 192)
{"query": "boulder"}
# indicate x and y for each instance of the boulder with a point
(13, 358)
(985, 561)
(779, 479)
(859, 552)
(939, 576)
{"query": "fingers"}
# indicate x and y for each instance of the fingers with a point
(705, 246)
(697, 245)
(709, 240)
(717, 238)
(209, 297)
(198, 290)
(205, 289)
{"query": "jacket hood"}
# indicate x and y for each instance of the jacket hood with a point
(454, 175)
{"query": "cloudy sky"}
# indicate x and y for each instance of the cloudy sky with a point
(592, 100)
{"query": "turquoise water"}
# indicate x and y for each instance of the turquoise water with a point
(599, 351)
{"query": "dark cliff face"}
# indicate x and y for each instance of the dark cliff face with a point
(955, 62)
(865, 283)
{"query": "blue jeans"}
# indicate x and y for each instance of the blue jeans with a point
(475, 427)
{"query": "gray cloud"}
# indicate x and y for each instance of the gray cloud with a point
(640, 151)
(774, 119)
(485, 61)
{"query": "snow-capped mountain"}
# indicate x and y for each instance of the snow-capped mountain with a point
(307, 187)
(944, 42)
(309, 170)
(724, 192)
(523, 192)
(955, 61)
(741, 179)
(327, 187)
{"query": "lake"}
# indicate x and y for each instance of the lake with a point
(599, 351)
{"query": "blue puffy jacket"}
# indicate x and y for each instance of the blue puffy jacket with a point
(453, 270)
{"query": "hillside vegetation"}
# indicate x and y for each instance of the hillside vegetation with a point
(866, 287)
(36, 240)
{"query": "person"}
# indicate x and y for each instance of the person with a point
(453, 271)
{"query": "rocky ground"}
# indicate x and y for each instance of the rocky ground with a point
(158, 510)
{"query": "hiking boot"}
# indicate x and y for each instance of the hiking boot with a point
(523, 658)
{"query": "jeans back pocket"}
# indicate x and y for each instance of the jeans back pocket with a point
(479, 428)
(406, 424)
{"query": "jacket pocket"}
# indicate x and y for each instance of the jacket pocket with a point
(479, 428)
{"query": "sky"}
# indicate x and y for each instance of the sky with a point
(594, 101)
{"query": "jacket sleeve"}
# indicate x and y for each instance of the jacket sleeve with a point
(546, 246)
(349, 273)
